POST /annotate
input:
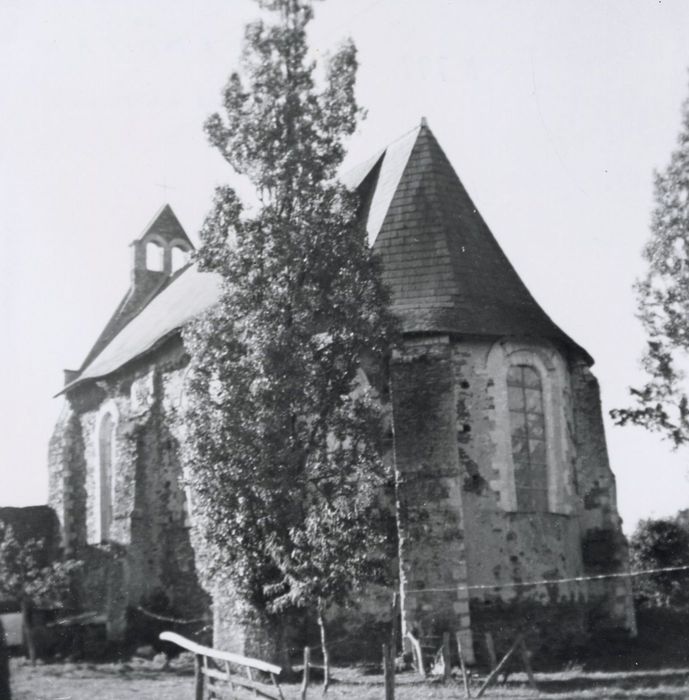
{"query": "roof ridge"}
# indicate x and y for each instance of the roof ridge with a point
(381, 151)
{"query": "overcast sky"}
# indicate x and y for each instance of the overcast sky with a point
(554, 113)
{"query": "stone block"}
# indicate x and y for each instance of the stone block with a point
(461, 607)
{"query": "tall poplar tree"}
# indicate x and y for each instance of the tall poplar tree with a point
(283, 435)
(662, 404)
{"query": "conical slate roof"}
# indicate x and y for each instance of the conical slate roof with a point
(443, 266)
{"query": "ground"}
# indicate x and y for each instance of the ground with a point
(146, 680)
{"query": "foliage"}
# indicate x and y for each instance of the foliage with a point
(663, 300)
(26, 574)
(659, 544)
(282, 432)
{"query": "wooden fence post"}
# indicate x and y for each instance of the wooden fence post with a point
(447, 667)
(490, 646)
(418, 654)
(494, 673)
(305, 680)
(462, 665)
(395, 627)
(526, 660)
(5, 691)
(198, 677)
(388, 673)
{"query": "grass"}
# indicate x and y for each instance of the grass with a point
(147, 680)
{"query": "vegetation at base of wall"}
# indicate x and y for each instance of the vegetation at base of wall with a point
(154, 614)
(662, 403)
(554, 632)
(600, 548)
(282, 438)
(29, 576)
(566, 634)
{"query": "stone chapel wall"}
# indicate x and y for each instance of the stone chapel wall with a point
(459, 520)
(147, 549)
(604, 546)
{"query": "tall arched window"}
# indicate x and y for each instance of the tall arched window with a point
(106, 445)
(527, 427)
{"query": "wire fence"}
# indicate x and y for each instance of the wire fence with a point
(550, 581)
(449, 589)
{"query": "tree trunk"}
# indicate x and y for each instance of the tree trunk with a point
(27, 631)
(241, 628)
(5, 692)
(324, 646)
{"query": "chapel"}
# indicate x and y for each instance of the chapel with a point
(496, 422)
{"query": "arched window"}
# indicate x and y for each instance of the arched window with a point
(106, 448)
(154, 256)
(527, 428)
(180, 257)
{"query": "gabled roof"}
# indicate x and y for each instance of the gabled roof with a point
(166, 226)
(445, 270)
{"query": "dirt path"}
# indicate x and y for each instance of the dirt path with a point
(143, 680)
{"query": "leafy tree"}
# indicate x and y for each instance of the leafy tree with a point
(660, 544)
(657, 544)
(27, 576)
(283, 434)
(663, 299)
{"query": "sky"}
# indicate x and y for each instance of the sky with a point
(554, 113)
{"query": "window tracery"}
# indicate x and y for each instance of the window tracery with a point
(528, 435)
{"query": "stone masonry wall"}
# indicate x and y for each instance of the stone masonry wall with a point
(148, 549)
(66, 477)
(506, 546)
(433, 569)
(465, 549)
(604, 545)
(458, 518)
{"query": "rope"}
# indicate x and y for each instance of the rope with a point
(165, 618)
(548, 581)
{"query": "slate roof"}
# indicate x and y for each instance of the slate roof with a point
(445, 270)
(187, 295)
(381, 176)
(166, 225)
(443, 266)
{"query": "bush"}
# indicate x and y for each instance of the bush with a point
(658, 544)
